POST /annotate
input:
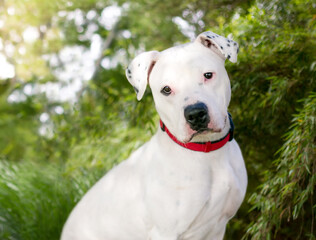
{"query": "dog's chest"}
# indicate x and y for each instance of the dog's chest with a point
(223, 201)
(188, 195)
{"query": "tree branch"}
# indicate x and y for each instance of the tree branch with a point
(104, 46)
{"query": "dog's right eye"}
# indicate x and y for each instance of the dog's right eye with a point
(166, 91)
(208, 75)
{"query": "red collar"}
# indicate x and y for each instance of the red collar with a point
(204, 146)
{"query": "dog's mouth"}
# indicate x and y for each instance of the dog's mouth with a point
(204, 134)
(203, 131)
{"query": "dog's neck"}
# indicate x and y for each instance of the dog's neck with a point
(203, 146)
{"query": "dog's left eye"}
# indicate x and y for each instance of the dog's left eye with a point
(208, 75)
(166, 90)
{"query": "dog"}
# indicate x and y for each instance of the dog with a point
(190, 178)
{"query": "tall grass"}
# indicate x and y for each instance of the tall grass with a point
(35, 199)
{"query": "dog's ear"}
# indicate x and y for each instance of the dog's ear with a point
(224, 47)
(139, 70)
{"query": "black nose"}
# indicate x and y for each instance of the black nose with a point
(197, 116)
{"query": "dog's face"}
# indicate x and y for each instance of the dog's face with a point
(190, 86)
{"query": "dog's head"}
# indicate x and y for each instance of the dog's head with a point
(190, 86)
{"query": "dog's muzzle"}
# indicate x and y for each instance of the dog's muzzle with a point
(197, 116)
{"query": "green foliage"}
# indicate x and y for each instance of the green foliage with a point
(18, 135)
(36, 199)
(267, 91)
(286, 199)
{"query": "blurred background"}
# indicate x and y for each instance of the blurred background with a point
(68, 114)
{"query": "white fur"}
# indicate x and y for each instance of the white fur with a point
(164, 191)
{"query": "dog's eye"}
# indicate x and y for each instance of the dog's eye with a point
(208, 75)
(166, 91)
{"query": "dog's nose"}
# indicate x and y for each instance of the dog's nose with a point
(197, 116)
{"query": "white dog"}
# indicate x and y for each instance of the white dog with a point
(190, 178)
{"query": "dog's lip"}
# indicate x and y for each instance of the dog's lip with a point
(203, 131)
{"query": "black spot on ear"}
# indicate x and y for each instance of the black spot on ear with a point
(136, 89)
(228, 57)
(129, 71)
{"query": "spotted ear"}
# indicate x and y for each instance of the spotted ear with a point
(224, 47)
(139, 70)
